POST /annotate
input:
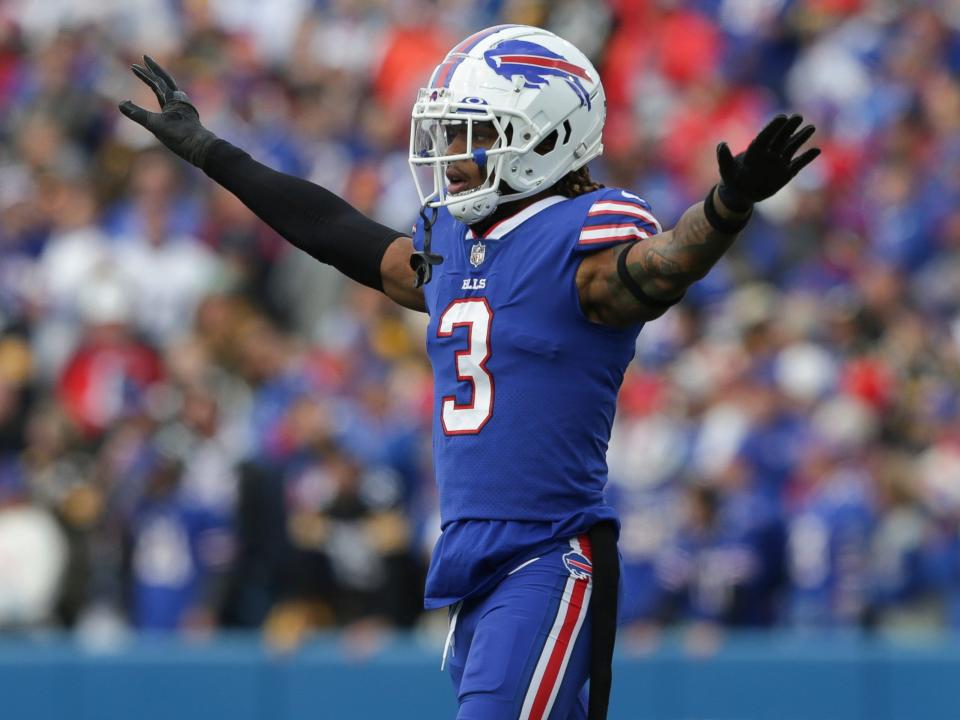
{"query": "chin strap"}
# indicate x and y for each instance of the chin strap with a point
(422, 262)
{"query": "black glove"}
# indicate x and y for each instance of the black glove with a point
(177, 125)
(766, 165)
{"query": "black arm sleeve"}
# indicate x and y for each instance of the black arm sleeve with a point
(315, 220)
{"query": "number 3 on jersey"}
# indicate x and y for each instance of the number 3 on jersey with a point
(475, 315)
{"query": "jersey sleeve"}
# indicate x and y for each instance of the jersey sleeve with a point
(616, 216)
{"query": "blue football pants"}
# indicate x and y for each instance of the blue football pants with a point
(523, 649)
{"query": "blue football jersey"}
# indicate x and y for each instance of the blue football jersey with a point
(525, 385)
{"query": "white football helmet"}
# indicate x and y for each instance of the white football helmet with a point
(530, 85)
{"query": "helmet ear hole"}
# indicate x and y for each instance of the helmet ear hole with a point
(547, 144)
(566, 132)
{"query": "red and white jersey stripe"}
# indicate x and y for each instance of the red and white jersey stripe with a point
(617, 216)
(629, 209)
(615, 231)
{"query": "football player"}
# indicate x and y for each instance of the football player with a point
(537, 281)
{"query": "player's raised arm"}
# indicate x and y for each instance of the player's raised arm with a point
(310, 217)
(639, 281)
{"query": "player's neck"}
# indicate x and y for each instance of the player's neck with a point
(507, 210)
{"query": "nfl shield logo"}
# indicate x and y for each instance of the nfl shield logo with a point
(477, 253)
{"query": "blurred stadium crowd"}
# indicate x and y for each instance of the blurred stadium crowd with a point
(201, 427)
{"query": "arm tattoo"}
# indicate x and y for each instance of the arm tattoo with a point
(666, 264)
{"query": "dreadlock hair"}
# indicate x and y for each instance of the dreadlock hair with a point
(577, 182)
